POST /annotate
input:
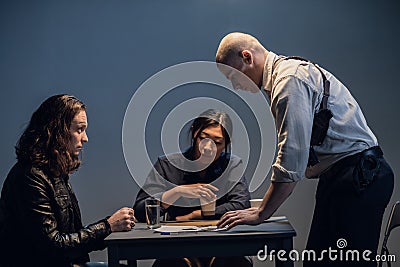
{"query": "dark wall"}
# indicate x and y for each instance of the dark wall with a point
(101, 51)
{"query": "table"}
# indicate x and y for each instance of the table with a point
(243, 240)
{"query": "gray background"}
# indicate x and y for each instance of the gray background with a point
(101, 51)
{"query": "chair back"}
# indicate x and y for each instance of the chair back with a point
(393, 222)
(394, 218)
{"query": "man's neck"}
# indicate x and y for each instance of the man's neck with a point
(265, 56)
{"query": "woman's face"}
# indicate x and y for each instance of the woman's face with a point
(78, 133)
(209, 144)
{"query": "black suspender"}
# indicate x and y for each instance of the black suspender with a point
(321, 117)
(324, 102)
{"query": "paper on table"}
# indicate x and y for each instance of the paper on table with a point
(277, 219)
(200, 223)
(186, 229)
(176, 228)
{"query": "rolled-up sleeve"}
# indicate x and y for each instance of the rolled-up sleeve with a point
(292, 105)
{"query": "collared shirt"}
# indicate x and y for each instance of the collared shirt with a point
(295, 90)
(226, 173)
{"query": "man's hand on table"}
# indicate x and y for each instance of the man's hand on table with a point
(249, 216)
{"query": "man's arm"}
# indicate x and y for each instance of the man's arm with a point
(276, 194)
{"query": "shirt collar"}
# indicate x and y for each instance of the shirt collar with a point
(268, 68)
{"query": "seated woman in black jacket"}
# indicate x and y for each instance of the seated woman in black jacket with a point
(206, 170)
(40, 220)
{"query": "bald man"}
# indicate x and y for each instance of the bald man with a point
(355, 181)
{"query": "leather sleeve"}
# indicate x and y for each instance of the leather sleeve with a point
(41, 210)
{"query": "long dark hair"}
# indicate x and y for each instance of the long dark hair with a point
(45, 142)
(211, 117)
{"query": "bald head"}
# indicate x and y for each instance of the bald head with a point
(231, 46)
(241, 52)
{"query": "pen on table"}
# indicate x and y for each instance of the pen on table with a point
(169, 233)
(177, 233)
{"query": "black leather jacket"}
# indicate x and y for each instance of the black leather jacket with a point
(40, 222)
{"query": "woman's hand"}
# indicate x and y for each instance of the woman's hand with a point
(122, 220)
(194, 215)
(205, 191)
(200, 191)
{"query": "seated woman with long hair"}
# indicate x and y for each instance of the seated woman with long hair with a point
(40, 219)
(207, 170)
